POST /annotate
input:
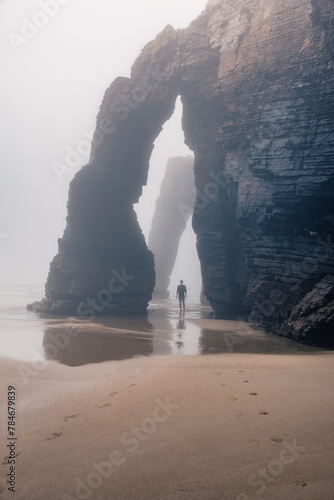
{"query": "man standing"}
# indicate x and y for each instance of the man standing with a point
(181, 293)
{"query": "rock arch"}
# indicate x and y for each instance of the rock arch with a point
(173, 209)
(103, 265)
(256, 83)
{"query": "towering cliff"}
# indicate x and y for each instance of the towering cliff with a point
(256, 83)
(173, 209)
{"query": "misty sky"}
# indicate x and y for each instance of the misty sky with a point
(52, 85)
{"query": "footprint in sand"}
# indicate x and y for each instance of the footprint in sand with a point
(277, 439)
(253, 394)
(256, 442)
(105, 405)
(301, 483)
(233, 399)
(224, 385)
(218, 374)
(264, 413)
(240, 371)
(112, 394)
(55, 435)
(5, 460)
(246, 381)
(240, 415)
(69, 417)
(133, 385)
(242, 496)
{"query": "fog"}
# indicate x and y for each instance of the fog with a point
(52, 84)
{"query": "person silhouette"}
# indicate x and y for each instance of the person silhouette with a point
(181, 294)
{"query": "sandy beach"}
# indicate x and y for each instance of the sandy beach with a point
(230, 426)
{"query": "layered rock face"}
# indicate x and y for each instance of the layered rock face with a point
(173, 209)
(256, 83)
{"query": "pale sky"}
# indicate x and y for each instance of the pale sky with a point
(58, 57)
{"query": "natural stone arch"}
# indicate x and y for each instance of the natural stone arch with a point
(173, 209)
(103, 265)
(260, 124)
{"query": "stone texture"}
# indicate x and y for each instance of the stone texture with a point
(173, 208)
(312, 319)
(256, 83)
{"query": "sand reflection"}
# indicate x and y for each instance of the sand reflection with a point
(75, 343)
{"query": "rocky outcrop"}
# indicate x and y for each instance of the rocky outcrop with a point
(313, 318)
(173, 209)
(256, 83)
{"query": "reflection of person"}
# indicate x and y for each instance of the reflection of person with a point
(181, 293)
(181, 325)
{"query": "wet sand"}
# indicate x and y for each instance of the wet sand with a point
(222, 426)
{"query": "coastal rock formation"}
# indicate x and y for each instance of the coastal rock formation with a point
(256, 83)
(173, 209)
(313, 318)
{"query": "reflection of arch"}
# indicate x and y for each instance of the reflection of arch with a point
(86, 343)
(173, 209)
